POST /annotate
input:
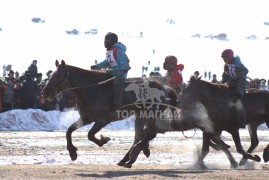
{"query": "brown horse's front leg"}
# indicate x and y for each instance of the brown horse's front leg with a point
(70, 147)
(252, 129)
(95, 129)
(240, 149)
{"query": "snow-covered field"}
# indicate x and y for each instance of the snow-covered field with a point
(38, 137)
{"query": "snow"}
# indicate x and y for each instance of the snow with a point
(36, 119)
(25, 130)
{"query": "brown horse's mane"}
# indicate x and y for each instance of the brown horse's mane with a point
(256, 90)
(101, 74)
(86, 71)
(219, 88)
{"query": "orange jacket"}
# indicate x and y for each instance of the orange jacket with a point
(175, 77)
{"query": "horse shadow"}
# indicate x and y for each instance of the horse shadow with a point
(168, 173)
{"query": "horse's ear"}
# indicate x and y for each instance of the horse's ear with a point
(63, 62)
(199, 78)
(56, 63)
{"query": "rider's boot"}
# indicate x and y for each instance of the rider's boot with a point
(240, 113)
(118, 92)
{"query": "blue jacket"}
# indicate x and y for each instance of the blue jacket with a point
(236, 76)
(116, 60)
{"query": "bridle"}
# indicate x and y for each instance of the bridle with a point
(60, 87)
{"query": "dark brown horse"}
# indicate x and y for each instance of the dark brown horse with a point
(93, 92)
(210, 107)
(219, 103)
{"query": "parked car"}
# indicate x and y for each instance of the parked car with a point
(251, 37)
(92, 31)
(37, 20)
(73, 32)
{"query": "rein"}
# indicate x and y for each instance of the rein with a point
(78, 87)
(91, 85)
(170, 129)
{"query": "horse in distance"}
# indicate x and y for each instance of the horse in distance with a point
(93, 92)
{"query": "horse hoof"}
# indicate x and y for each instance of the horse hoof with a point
(201, 165)
(146, 152)
(242, 162)
(234, 165)
(128, 165)
(122, 164)
(257, 158)
(104, 139)
(74, 156)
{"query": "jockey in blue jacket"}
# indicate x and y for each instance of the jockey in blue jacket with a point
(235, 75)
(118, 62)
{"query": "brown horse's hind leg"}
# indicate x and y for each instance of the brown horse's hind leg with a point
(70, 147)
(150, 134)
(139, 126)
(218, 141)
(204, 152)
(95, 129)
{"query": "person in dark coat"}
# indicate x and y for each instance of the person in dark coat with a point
(18, 94)
(29, 89)
(33, 69)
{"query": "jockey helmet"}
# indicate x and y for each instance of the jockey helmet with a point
(110, 40)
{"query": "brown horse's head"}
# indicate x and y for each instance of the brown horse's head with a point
(191, 93)
(58, 81)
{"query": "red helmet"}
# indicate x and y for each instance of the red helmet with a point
(228, 53)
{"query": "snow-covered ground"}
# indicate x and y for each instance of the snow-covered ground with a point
(38, 137)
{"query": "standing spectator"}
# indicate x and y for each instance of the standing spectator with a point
(38, 78)
(214, 80)
(196, 74)
(29, 89)
(48, 74)
(209, 75)
(41, 101)
(2, 88)
(33, 69)
(205, 74)
(18, 94)
(8, 95)
(262, 85)
(11, 76)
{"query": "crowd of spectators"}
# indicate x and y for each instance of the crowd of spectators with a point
(24, 92)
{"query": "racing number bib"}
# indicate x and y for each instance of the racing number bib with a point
(110, 58)
(231, 68)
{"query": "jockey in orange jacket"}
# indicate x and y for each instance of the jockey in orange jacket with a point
(174, 76)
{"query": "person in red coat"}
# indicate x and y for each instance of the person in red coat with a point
(2, 88)
(173, 76)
